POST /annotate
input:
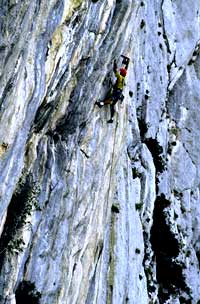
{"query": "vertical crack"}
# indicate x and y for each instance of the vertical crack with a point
(166, 248)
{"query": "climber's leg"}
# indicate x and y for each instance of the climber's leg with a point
(108, 101)
(112, 112)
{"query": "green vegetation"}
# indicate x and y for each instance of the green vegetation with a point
(136, 173)
(23, 202)
(188, 254)
(115, 208)
(174, 131)
(138, 206)
(27, 293)
(137, 250)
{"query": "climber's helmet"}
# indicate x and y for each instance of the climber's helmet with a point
(123, 72)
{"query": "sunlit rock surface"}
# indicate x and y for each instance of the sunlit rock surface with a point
(93, 212)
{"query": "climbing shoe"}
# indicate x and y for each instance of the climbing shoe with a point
(99, 104)
(110, 121)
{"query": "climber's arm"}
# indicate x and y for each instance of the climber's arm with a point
(127, 63)
(115, 66)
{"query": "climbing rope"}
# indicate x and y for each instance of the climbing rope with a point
(111, 265)
(112, 160)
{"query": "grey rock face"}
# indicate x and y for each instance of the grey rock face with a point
(93, 212)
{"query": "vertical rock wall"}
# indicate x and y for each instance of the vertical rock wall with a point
(93, 212)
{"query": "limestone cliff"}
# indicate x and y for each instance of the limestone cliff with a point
(93, 212)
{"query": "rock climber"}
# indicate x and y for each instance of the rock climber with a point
(115, 93)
